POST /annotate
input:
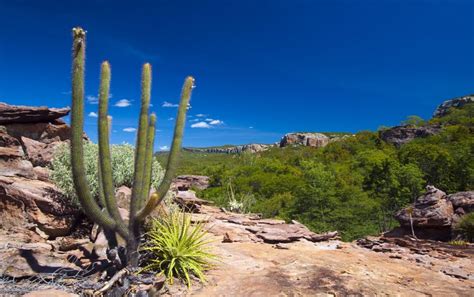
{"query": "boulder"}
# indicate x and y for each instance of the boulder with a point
(463, 202)
(12, 114)
(431, 210)
(38, 153)
(444, 107)
(25, 201)
(50, 293)
(305, 139)
(43, 132)
(187, 182)
(401, 135)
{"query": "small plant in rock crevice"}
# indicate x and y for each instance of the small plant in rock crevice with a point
(178, 249)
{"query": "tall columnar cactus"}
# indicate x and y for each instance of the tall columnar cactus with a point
(106, 214)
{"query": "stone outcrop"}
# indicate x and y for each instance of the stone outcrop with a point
(444, 107)
(28, 138)
(305, 139)
(401, 135)
(434, 214)
(12, 114)
(249, 148)
(186, 182)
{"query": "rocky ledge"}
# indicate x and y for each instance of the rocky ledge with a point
(401, 135)
(444, 107)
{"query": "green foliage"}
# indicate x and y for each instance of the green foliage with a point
(465, 227)
(178, 250)
(122, 168)
(414, 120)
(458, 243)
(353, 185)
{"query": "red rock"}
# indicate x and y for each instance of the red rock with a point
(10, 114)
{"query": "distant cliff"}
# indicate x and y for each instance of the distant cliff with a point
(251, 148)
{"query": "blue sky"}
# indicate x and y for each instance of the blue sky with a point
(262, 68)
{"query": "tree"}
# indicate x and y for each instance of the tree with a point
(413, 120)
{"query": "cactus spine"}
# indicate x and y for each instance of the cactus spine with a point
(109, 217)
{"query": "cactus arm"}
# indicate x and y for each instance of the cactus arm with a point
(147, 175)
(104, 151)
(138, 181)
(90, 206)
(171, 165)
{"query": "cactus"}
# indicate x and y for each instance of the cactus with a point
(106, 214)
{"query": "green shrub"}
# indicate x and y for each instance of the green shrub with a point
(122, 168)
(177, 249)
(465, 227)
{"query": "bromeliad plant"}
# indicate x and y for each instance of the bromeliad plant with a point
(177, 249)
(141, 205)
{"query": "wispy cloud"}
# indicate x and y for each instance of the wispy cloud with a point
(164, 148)
(123, 103)
(93, 114)
(170, 119)
(169, 104)
(201, 125)
(92, 99)
(250, 127)
(216, 122)
(66, 93)
(200, 115)
(194, 120)
(209, 120)
(130, 129)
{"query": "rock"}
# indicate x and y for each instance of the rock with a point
(42, 173)
(434, 214)
(430, 210)
(11, 114)
(24, 201)
(462, 200)
(305, 139)
(50, 293)
(39, 154)
(16, 167)
(123, 195)
(401, 135)
(456, 272)
(188, 201)
(250, 148)
(187, 182)
(444, 107)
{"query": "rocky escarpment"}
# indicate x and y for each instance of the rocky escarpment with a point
(401, 135)
(444, 107)
(434, 214)
(250, 148)
(28, 138)
(305, 139)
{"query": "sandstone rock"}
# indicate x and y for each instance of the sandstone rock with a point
(305, 139)
(462, 200)
(403, 134)
(43, 132)
(187, 182)
(431, 210)
(42, 173)
(39, 154)
(24, 201)
(123, 195)
(444, 107)
(250, 148)
(188, 201)
(10, 114)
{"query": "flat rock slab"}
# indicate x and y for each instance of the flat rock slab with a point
(12, 114)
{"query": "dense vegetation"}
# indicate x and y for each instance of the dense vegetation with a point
(354, 185)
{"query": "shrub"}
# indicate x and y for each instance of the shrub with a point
(177, 249)
(465, 227)
(122, 168)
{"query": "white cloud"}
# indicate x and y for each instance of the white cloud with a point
(200, 115)
(93, 114)
(209, 120)
(216, 122)
(194, 120)
(250, 127)
(170, 119)
(201, 125)
(123, 103)
(169, 104)
(151, 105)
(164, 148)
(130, 129)
(92, 99)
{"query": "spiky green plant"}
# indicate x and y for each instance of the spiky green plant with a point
(140, 205)
(178, 249)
